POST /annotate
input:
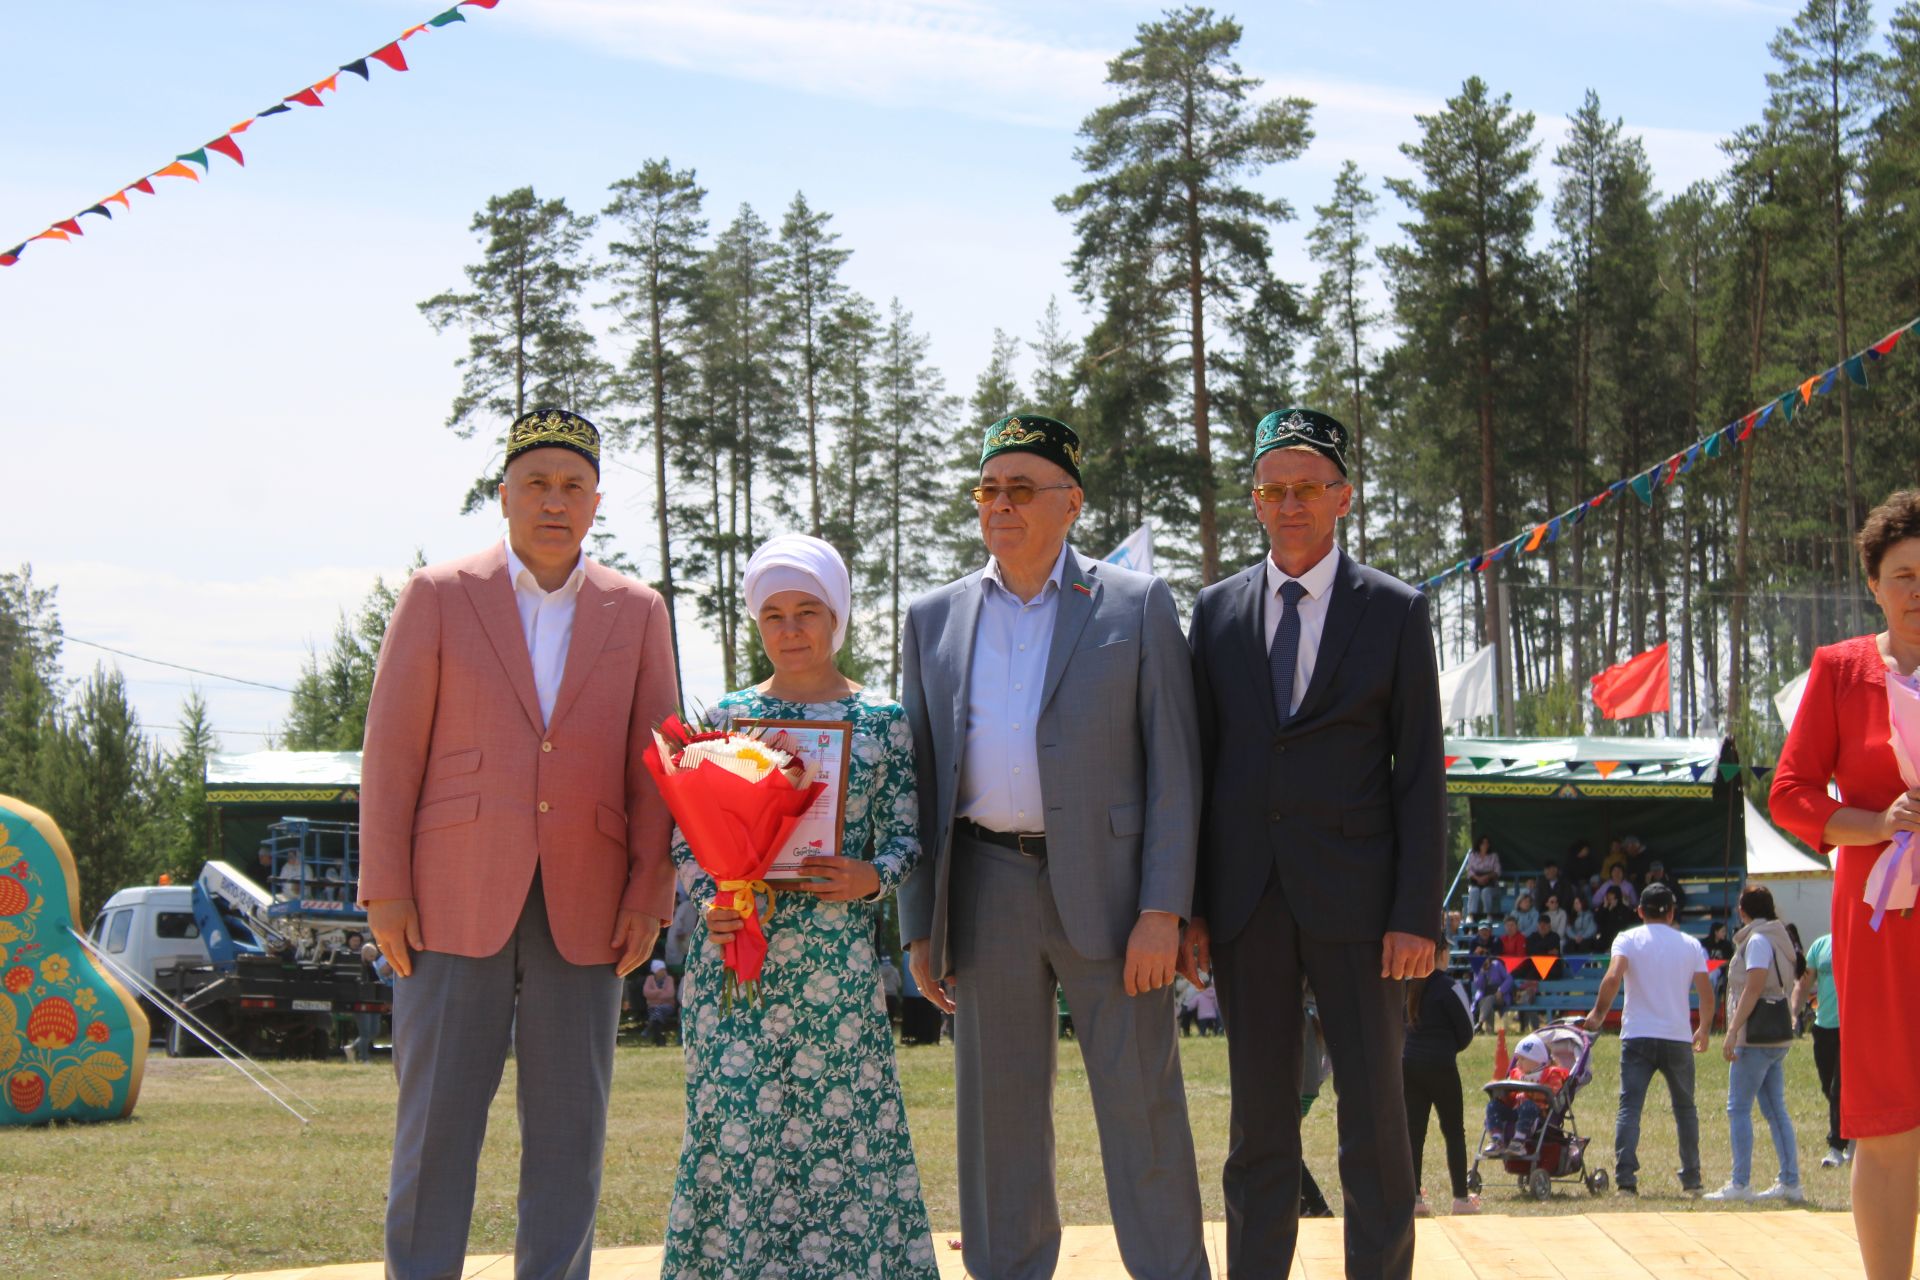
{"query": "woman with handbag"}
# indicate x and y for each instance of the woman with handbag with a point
(1766, 963)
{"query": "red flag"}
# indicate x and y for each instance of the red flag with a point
(226, 146)
(1514, 962)
(1636, 687)
(142, 185)
(391, 55)
(71, 225)
(306, 98)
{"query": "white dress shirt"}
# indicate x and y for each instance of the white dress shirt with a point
(1313, 614)
(546, 619)
(1000, 768)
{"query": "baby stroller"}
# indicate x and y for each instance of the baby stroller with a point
(1555, 1150)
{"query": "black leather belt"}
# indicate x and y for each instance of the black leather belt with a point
(1026, 844)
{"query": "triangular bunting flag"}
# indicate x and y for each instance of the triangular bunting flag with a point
(1826, 383)
(1539, 532)
(1714, 963)
(71, 226)
(1479, 762)
(1806, 388)
(1885, 346)
(1643, 488)
(1697, 770)
(274, 110)
(358, 66)
(413, 31)
(1760, 772)
(1606, 767)
(478, 4)
(121, 196)
(306, 98)
(1575, 516)
(100, 209)
(330, 85)
(229, 148)
(1728, 772)
(176, 170)
(1717, 442)
(1856, 368)
(451, 15)
(1506, 763)
(242, 127)
(1478, 563)
(142, 185)
(1553, 530)
(1543, 965)
(51, 234)
(197, 156)
(1789, 404)
(391, 55)
(1449, 762)
(1513, 963)
(11, 256)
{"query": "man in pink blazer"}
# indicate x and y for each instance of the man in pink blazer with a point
(514, 856)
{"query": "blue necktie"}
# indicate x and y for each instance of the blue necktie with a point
(1284, 656)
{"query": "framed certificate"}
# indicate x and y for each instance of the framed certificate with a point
(827, 747)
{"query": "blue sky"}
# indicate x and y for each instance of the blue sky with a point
(222, 413)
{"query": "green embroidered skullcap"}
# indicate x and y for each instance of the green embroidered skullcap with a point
(1288, 428)
(1051, 438)
(554, 429)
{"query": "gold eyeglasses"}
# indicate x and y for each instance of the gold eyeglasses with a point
(1018, 494)
(1306, 490)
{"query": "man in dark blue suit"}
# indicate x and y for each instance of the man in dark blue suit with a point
(1321, 848)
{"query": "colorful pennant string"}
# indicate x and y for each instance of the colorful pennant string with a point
(389, 54)
(1668, 470)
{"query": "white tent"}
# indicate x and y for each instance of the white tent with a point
(1802, 885)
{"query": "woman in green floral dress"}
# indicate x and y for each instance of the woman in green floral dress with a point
(797, 1162)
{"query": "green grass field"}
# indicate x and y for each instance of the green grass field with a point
(210, 1175)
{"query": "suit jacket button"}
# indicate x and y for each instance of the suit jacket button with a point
(546, 746)
(543, 807)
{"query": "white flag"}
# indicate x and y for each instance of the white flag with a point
(1466, 691)
(1787, 701)
(1137, 551)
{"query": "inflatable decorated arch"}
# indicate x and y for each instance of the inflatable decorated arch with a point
(73, 1041)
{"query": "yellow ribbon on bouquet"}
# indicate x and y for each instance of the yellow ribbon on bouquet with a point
(746, 897)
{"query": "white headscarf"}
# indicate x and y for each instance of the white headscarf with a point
(798, 562)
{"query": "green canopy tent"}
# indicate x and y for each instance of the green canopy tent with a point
(1536, 796)
(251, 791)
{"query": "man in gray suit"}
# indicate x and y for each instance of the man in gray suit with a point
(1051, 701)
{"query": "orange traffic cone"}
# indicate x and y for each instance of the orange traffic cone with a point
(1500, 1062)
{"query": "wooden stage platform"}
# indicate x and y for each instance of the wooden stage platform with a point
(1700, 1244)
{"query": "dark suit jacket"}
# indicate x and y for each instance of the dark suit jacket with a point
(1348, 800)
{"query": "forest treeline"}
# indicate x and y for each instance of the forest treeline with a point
(1509, 328)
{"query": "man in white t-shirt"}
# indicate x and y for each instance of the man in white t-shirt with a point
(1657, 963)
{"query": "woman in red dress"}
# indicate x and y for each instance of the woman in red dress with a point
(1840, 735)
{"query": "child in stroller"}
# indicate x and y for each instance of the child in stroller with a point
(1529, 1123)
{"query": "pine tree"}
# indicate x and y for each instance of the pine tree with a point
(810, 271)
(1166, 208)
(98, 781)
(1338, 242)
(1824, 84)
(1459, 280)
(656, 274)
(525, 344)
(912, 405)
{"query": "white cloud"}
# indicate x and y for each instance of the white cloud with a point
(942, 53)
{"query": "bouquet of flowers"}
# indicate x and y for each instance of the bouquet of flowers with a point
(1895, 878)
(737, 796)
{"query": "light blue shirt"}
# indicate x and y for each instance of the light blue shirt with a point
(1000, 770)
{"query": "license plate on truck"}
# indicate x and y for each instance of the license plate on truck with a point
(313, 1006)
